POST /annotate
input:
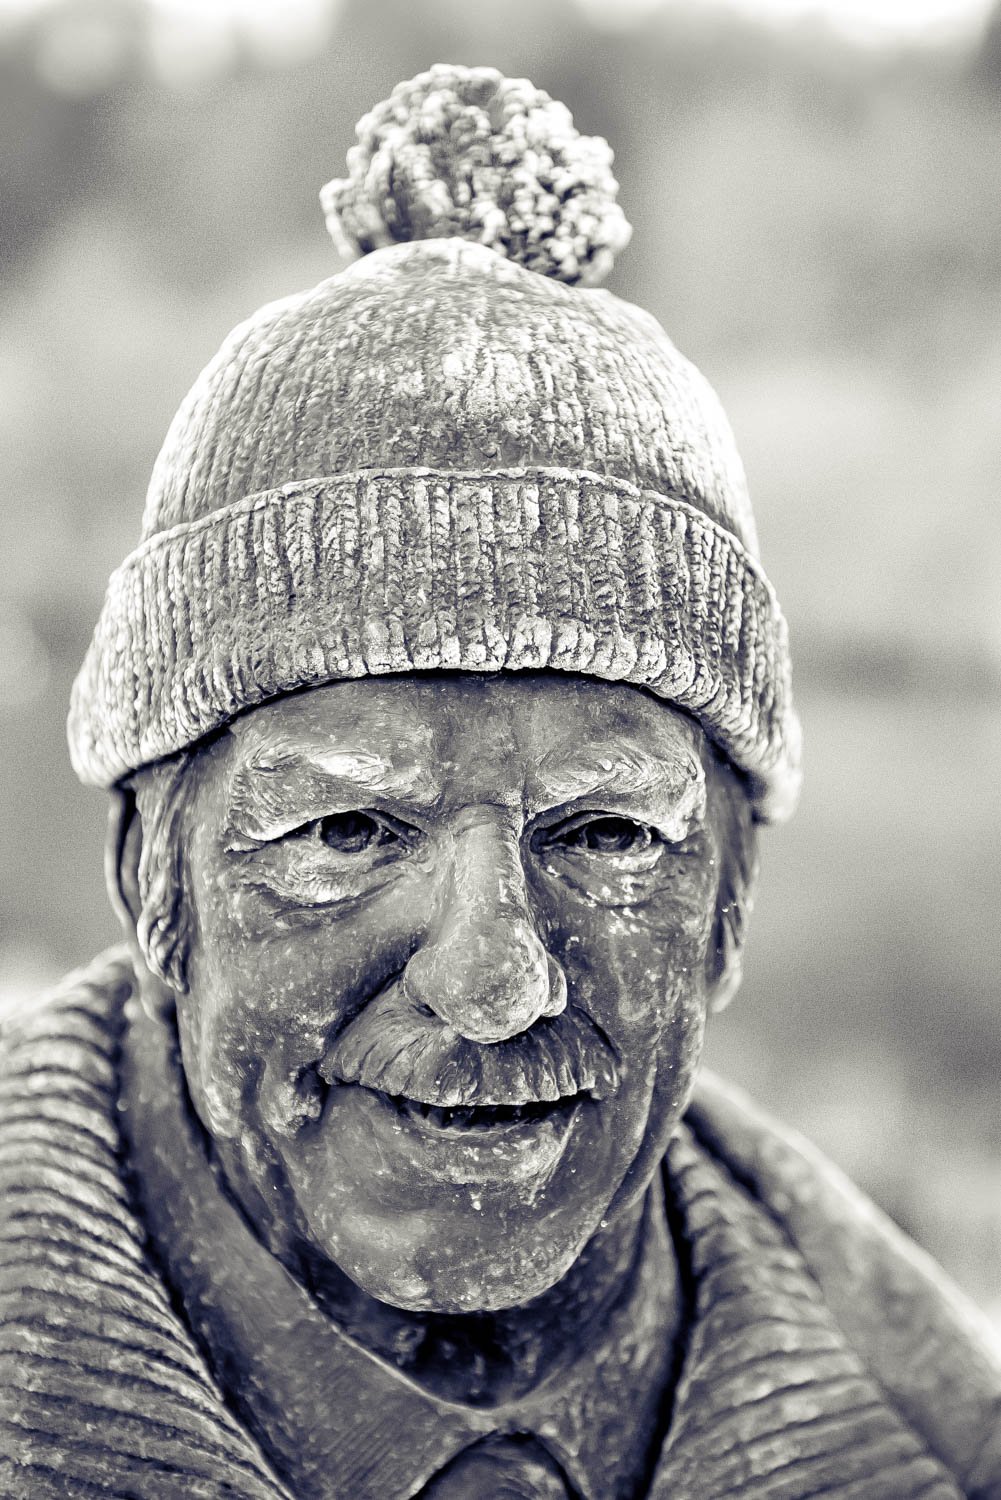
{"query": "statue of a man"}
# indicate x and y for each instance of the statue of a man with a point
(439, 703)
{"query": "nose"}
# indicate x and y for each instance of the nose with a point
(483, 968)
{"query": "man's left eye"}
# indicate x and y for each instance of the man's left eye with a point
(601, 835)
(357, 832)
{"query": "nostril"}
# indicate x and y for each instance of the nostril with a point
(413, 984)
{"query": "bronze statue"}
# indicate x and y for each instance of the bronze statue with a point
(439, 705)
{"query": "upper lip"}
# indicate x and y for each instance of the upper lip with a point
(392, 1049)
(455, 1098)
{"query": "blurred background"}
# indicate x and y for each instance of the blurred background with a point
(816, 195)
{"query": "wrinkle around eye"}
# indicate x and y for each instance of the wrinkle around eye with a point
(307, 873)
(607, 835)
(600, 835)
(356, 833)
(241, 839)
(300, 869)
(609, 876)
(341, 841)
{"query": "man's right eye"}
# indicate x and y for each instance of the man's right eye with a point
(356, 832)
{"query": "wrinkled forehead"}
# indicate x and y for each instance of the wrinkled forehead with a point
(538, 738)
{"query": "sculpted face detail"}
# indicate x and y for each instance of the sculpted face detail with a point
(449, 970)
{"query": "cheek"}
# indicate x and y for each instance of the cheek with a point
(631, 966)
(639, 972)
(267, 988)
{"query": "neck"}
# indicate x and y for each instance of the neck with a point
(486, 1358)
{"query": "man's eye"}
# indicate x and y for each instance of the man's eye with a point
(608, 835)
(355, 832)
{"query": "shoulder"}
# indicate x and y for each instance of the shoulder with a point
(86, 1006)
(58, 1081)
(927, 1345)
(102, 1388)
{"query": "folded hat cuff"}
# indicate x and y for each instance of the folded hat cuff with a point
(413, 570)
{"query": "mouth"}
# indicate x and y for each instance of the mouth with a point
(486, 1145)
(460, 1119)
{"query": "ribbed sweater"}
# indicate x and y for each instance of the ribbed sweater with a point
(825, 1354)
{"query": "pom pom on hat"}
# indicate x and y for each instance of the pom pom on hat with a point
(466, 152)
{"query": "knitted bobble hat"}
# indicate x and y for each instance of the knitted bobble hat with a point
(451, 455)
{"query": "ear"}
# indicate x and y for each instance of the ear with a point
(122, 848)
(725, 965)
(122, 852)
(734, 900)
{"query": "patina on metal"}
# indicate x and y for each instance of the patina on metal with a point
(439, 705)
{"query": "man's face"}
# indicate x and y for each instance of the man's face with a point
(447, 986)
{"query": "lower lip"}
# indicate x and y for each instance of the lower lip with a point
(509, 1152)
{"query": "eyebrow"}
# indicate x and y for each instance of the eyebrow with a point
(673, 787)
(277, 789)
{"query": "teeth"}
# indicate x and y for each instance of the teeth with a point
(476, 1116)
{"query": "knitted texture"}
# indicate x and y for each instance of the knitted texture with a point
(439, 459)
(463, 151)
(103, 1390)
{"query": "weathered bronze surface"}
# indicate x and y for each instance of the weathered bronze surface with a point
(438, 704)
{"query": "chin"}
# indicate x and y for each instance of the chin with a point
(454, 1271)
(461, 1290)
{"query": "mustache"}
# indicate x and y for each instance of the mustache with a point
(394, 1048)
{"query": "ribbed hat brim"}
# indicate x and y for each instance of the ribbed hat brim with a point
(404, 570)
